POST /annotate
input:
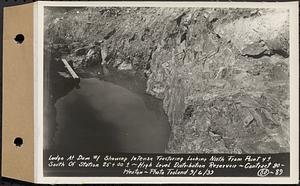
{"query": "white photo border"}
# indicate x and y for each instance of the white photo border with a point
(294, 93)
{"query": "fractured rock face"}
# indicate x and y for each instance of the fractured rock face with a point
(222, 74)
(217, 69)
(254, 35)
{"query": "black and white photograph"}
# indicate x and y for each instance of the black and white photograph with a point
(164, 81)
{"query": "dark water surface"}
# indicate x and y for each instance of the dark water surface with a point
(115, 115)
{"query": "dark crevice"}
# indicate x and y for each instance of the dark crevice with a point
(110, 34)
(257, 56)
(109, 56)
(132, 38)
(214, 20)
(183, 37)
(151, 53)
(172, 35)
(145, 34)
(269, 54)
(282, 53)
(188, 112)
(147, 66)
(179, 18)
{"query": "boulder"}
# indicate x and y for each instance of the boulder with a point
(125, 66)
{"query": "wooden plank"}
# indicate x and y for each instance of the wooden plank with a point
(71, 71)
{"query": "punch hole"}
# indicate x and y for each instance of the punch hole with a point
(19, 38)
(18, 142)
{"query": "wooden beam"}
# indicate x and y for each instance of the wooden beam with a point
(71, 71)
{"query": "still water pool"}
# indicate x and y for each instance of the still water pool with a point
(110, 115)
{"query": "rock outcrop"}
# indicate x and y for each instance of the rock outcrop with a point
(222, 74)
